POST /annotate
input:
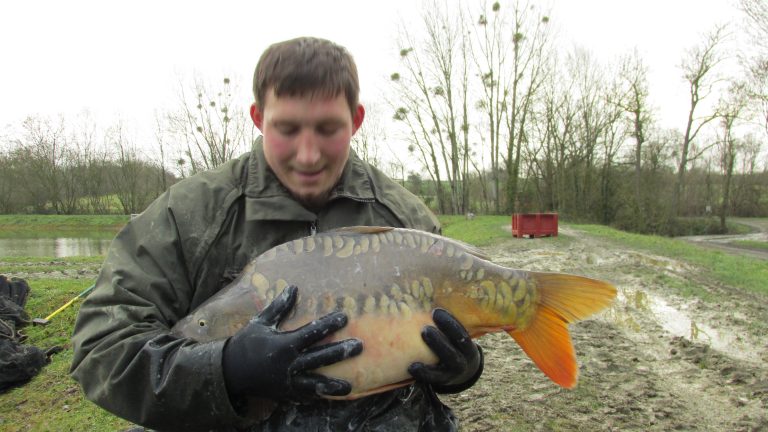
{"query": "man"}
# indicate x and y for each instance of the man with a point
(300, 178)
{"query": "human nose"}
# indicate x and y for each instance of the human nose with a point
(308, 149)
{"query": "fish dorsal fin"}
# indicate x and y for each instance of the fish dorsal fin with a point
(362, 229)
(472, 250)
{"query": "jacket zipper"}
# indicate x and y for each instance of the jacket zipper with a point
(314, 223)
(313, 227)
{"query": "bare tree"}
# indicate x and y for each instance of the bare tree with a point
(40, 152)
(433, 100)
(747, 186)
(9, 196)
(160, 138)
(699, 70)
(633, 75)
(560, 117)
(490, 56)
(730, 111)
(477, 160)
(587, 115)
(757, 20)
(131, 178)
(530, 48)
(614, 134)
(756, 58)
(370, 136)
(210, 128)
(86, 168)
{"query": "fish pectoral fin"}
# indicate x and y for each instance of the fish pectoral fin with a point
(547, 342)
(363, 229)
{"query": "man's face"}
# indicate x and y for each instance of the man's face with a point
(306, 141)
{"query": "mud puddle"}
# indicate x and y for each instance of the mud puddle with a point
(655, 361)
(677, 322)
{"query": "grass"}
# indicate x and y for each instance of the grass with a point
(751, 244)
(737, 271)
(685, 287)
(13, 265)
(480, 231)
(52, 226)
(52, 401)
(484, 230)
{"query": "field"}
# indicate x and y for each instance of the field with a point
(685, 347)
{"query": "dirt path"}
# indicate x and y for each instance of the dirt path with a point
(726, 242)
(654, 361)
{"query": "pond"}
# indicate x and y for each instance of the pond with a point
(54, 247)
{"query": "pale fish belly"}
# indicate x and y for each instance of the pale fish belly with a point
(390, 345)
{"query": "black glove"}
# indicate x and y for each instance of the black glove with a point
(460, 360)
(261, 361)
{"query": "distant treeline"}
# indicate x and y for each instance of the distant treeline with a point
(45, 184)
(499, 117)
(58, 177)
(607, 197)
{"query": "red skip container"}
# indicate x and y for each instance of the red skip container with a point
(534, 224)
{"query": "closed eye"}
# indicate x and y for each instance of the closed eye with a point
(287, 129)
(327, 130)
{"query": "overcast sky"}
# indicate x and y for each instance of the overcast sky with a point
(125, 58)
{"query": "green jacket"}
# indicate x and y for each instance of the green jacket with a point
(186, 246)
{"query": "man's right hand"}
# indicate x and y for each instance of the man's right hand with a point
(261, 361)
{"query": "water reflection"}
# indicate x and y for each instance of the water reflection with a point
(53, 247)
(675, 321)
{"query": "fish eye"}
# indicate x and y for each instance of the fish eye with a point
(202, 323)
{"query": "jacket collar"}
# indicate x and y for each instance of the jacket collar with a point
(267, 199)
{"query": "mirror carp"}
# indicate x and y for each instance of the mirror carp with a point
(388, 281)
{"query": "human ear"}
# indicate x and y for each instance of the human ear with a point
(357, 118)
(257, 116)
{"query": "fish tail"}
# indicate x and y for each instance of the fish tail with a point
(563, 299)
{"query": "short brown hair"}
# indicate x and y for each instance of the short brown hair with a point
(306, 65)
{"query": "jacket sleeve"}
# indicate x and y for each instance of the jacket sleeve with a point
(125, 357)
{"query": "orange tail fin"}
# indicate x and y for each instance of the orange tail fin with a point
(563, 299)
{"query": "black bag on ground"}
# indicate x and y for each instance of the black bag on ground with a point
(18, 362)
(13, 313)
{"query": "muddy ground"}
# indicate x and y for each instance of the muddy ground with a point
(654, 361)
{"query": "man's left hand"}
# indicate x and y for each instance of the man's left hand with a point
(460, 360)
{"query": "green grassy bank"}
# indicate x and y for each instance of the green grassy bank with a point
(737, 271)
(752, 244)
(51, 226)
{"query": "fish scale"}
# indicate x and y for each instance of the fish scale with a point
(388, 281)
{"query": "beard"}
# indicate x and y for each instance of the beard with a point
(313, 201)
